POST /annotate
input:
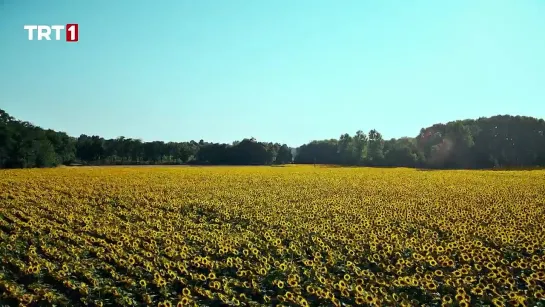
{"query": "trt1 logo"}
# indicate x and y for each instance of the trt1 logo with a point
(44, 32)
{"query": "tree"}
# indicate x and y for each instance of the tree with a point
(375, 155)
(345, 149)
(359, 146)
(45, 154)
(284, 155)
(402, 152)
(321, 152)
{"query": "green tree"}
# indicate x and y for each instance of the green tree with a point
(375, 153)
(284, 155)
(359, 147)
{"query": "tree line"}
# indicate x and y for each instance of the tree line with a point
(495, 142)
(23, 145)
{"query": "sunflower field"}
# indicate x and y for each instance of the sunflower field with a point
(253, 236)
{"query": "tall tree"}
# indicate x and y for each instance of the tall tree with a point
(375, 155)
(284, 155)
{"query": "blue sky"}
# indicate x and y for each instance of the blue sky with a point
(278, 70)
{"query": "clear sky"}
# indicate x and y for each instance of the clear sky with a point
(278, 70)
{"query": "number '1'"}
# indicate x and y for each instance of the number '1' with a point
(72, 32)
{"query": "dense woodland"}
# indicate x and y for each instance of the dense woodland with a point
(495, 142)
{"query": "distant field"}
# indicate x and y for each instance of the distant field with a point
(295, 235)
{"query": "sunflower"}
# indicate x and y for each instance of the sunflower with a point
(289, 295)
(477, 291)
(497, 302)
(447, 299)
